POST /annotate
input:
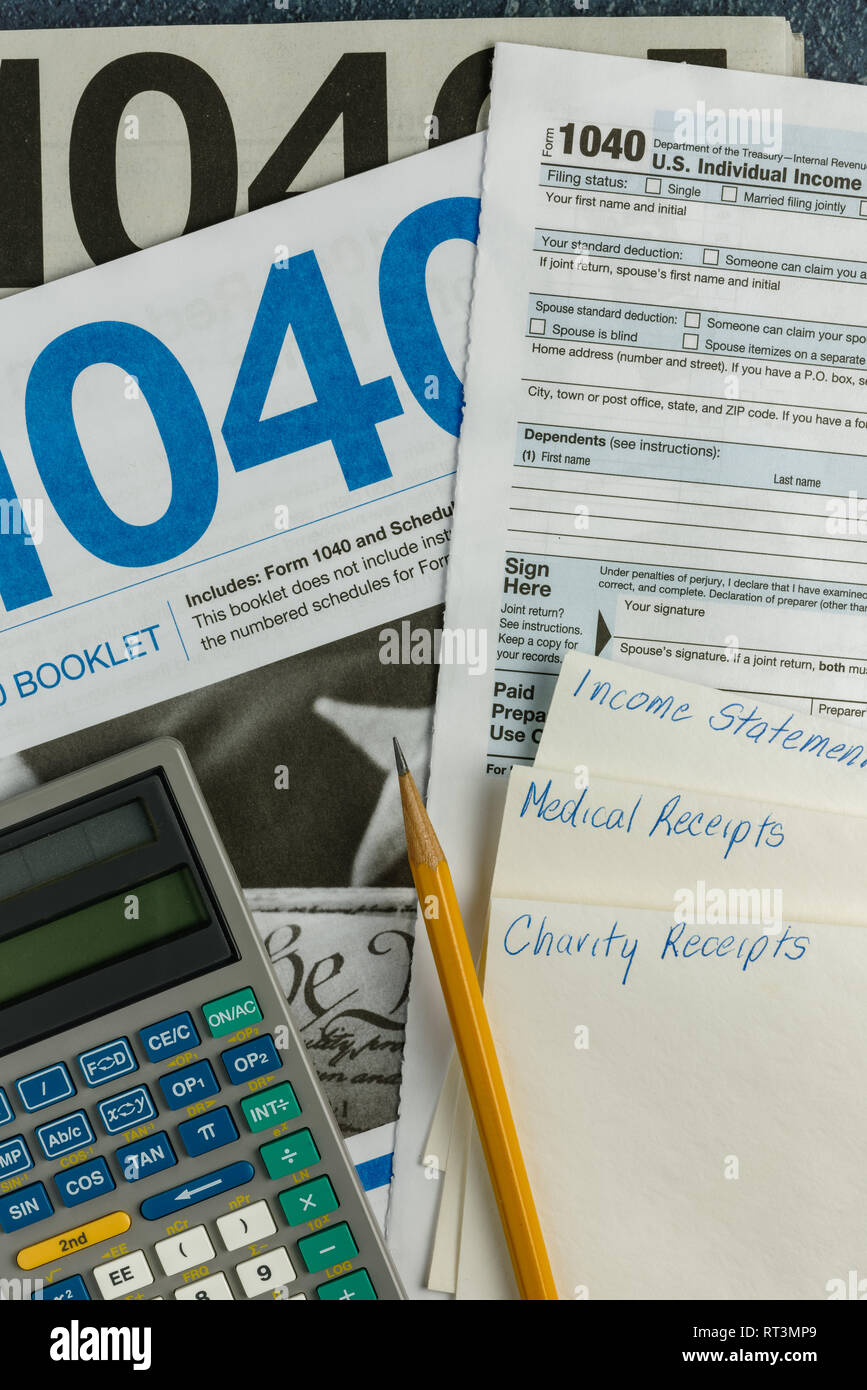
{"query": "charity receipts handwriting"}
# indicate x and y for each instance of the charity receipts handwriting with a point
(542, 936)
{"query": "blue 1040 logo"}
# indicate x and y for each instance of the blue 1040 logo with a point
(345, 411)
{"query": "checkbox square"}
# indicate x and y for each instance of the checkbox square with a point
(729, 193)
(652, 186)
(863, 210)
(537, 326)
(692, 319)
(711, 256)
(690, 340)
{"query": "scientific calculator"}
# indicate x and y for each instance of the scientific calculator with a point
(162, 1133)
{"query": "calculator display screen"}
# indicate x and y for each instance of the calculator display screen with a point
(114, 928)
(104, 899)
(47, 858)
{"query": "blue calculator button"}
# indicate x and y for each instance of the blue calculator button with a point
(14, 1157)
(183, 1087)
(107, 1063)
(84, 1182)
(168, 1037)
(127, 1110)
(206, 1132)
(45, 1087)
(146, 1156)
(254, 1058)
(5, 1108)
(65, 1135)
(25, 1206)
(195, 1190)
(64, 1288)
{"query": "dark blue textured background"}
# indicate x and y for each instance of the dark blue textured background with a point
(835, 30)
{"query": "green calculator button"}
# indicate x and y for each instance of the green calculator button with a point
(271, 1107)
(231, 1012)
(350, 1288)
(307, 1202)
(290, 1154)
(328, 1247)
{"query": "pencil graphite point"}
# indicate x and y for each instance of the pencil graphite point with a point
(402, 767)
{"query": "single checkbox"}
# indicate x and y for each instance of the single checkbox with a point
(711, 256)
(690, 340)
(652, 186)
(729, 193)
(537, 326)
(692, 320)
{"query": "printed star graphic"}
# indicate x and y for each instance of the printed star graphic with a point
(371, 728)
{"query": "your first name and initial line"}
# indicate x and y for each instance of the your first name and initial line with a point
(580, 175)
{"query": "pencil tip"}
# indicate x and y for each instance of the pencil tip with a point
(399, 759)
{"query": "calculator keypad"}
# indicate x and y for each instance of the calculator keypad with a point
(182, 1088)
(74, 1288)
(123, 1276)
(201, 1189)
(238, 1229)
(215, 1287)
(76, 1239)
(43, 1088)
(107, 1062)
(169, 1037)
(183, 1252)
(298, 1213)
(354, 1288)
(84, 1182)
(65, 1135)
(15, 1157)
(266, 1272)
(145, 1157)
(25, 1206)
(126, 1111)
(251, 1059)
(286, 1156)
(269, 1108)
(213, 1130)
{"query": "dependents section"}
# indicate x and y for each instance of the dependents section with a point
(680, 469)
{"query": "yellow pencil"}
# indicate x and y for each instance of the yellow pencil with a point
(466, 1010)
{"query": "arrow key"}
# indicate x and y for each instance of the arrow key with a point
(199, 1189)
